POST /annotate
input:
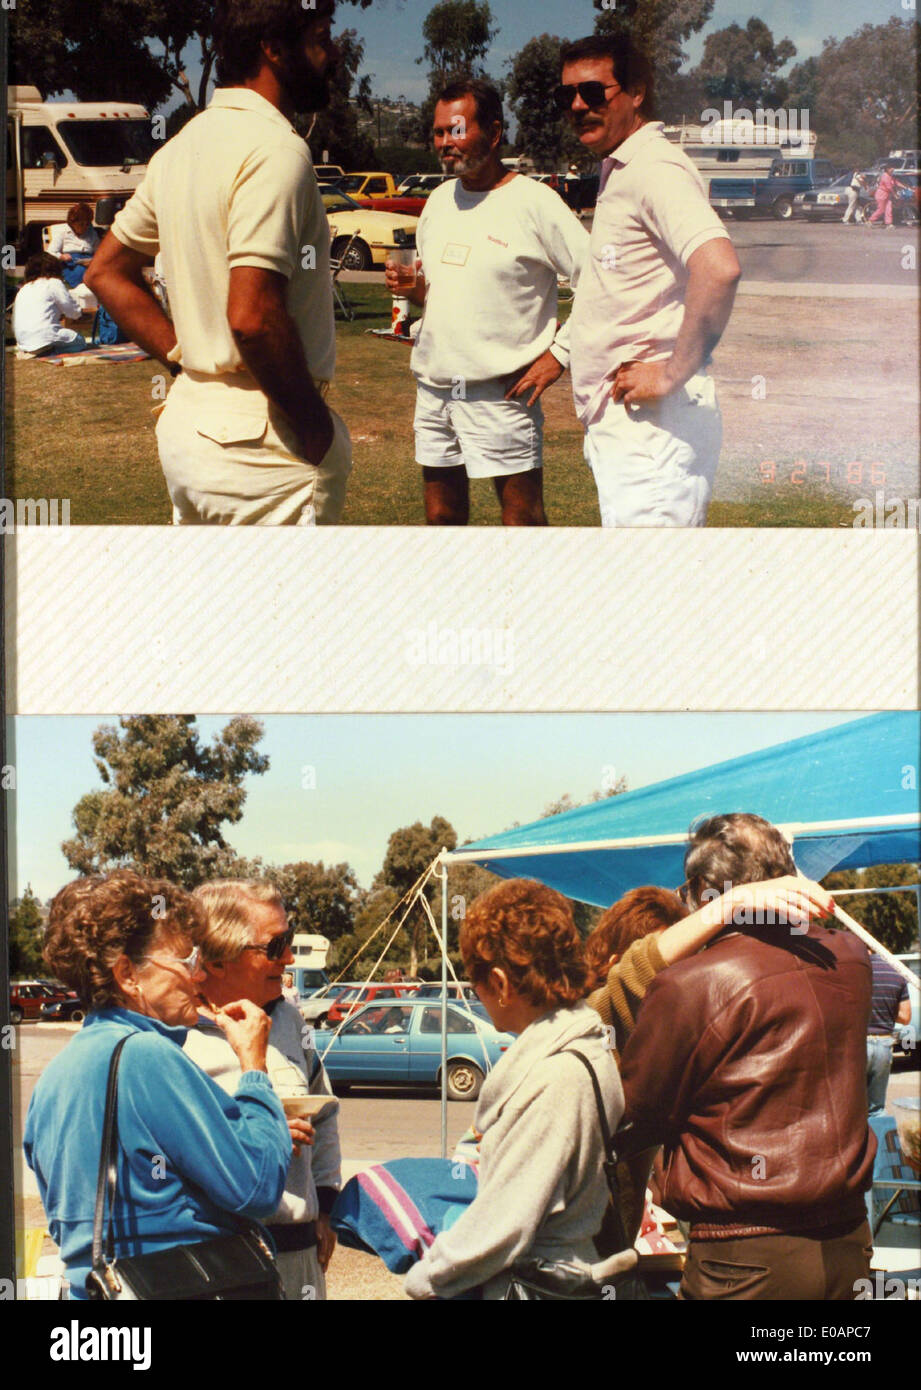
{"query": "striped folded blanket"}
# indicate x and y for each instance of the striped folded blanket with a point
(395, 1210)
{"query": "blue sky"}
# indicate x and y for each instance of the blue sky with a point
(376, 773)
(392, 30)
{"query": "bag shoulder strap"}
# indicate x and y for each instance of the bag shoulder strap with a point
(107, 1177)
(609, 1162)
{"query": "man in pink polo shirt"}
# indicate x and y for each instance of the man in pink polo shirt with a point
(653, 300)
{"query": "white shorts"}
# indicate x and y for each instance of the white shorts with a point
(655, 465)
(484, 433)
(230, 458)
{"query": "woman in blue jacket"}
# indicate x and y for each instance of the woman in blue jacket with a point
(191, 1157)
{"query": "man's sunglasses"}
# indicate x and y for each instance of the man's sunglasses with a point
(276, 947)
(592, 93)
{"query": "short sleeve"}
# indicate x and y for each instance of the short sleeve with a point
(268, 208)
(677, 209)
(136, 225)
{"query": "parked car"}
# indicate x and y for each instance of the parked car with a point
(829, 202)
(328, 173)
(908, 1035)
(774, 195)
(421, 184)
(315, 1009)
(398, 1043)
(378, 232)
(70, 1010)
(456, 990)
(27, 997)
(353, 998)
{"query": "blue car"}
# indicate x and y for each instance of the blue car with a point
(398, 1043)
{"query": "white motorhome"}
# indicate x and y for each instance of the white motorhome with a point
(309, 968)
(743, 146)
(64, 152)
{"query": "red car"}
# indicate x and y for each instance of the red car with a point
(28, 997)
(351, 999)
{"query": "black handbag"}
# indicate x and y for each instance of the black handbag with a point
(533, 1279)
(227, 1268)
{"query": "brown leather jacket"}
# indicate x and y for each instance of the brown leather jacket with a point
(748, 1061)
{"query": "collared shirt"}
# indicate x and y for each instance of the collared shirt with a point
(652, 215)
(235, 187)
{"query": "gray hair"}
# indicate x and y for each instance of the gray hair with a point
(725, 851)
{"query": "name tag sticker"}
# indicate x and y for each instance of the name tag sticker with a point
(455, 254)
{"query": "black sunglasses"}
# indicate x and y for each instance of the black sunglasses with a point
(276, 947)
(592, 93)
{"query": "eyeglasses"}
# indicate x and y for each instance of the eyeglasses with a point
(190, 962)
(276, 947)
(592, 93)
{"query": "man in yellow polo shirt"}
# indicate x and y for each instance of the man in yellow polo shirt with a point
(232, 206)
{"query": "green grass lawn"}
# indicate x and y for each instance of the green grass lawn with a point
(87, 433)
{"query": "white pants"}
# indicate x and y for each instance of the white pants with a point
(655, 465)
(231, 458)
(853, 197)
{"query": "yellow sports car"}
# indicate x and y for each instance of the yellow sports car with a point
(378, 232)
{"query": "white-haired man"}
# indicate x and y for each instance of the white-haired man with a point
(246, 947)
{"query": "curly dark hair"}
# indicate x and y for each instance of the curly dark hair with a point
(635, 915)
(239, 27)
(527, 930)
(43, 266)
(94, 920)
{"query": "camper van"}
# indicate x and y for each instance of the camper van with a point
(744, 147)
(309, 968)
(64, 152)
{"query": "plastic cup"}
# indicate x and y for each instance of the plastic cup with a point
(403, 261)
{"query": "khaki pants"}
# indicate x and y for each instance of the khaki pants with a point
(230, 458)
(774, 1268)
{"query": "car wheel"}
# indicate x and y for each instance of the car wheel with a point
(322, 1021)
(77, 1016)
(358, 256)
(782, 209)
(464, 1081)
(15, 1015)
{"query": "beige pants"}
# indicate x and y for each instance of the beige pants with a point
(230, 458)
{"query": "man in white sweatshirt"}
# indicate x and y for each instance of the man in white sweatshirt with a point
(244, 954)
(492, 244)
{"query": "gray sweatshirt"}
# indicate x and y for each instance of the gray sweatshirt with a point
(317, 1165)
(542, 1190)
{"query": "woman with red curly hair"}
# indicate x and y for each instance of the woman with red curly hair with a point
(542, 1191)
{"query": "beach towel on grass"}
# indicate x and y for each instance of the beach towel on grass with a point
(395, 1210)
(122, 352)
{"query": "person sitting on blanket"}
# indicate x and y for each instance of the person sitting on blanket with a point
(542, 1191)
(74, 242)
(41, 305)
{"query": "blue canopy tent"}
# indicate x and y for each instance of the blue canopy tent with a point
(847, 798)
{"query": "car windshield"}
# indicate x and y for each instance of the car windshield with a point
(101, 143)
(351, 181)
(340, 202)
